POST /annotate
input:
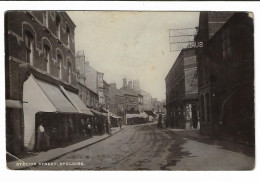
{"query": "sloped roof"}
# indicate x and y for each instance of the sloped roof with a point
(129, 92)
(114, 91)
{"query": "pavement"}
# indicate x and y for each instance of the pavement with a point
(193, 133)
(52, 154)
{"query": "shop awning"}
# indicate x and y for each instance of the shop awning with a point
(144, 115)
(105, 114)
(40, 96)
(77, 103)
(56, 97)
(95, 111)
(128, 116)
(150, 113)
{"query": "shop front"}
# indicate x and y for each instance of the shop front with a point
(53, 115)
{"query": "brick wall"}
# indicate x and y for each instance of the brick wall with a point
(20, 22)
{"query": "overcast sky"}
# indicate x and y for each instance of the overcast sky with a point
(134, 45)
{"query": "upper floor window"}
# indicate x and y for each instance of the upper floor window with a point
(69, 71)
(46, 54)
(59, 57)
(28, 40)
(58, 25)
(226, 44)
(68, 35)
(45, 19)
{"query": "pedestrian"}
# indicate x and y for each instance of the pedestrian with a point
(166, 121)
(160, 121)
(120, 122)
(40, 137)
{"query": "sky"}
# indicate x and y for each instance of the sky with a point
(129, 44)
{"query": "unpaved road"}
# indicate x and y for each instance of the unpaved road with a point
(145, 147)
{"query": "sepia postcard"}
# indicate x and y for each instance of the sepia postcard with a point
(129, 90)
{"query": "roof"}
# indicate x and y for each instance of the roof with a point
(95, 111)
(114, 91)
(129, 92)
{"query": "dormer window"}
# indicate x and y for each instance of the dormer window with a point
(45, 19)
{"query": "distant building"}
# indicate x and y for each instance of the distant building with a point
(226, 75)
(158, 106)
(136, 85)
(182, 90)
(116, 100)
(147, 100)
(87, 93)
(91, 78)
(106, 96)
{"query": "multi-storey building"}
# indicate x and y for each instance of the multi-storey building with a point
(87, 93)
(226, 76)
(182, 90)
(147, 100)
(116, 100)
(133, 99)
(40, 70)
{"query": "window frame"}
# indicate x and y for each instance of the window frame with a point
(45, 19)
(28, 42)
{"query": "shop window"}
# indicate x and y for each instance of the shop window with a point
(28, 39)
(202, 108)
(208, 107)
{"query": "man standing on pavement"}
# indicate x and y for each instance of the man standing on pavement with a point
(40, 137)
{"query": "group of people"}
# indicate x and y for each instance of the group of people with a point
(53, 134)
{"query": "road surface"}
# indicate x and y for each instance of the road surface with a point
(145, 147)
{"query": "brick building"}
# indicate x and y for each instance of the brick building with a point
(182, 90)
(116, 100)
(40, 71)
(226, 76)
(132, 97)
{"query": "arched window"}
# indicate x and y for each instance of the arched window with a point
(46, 54)
(28, 40)
(58, 26)
(59, 58)
(45, 19)
(68, 35)
(69, 71)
